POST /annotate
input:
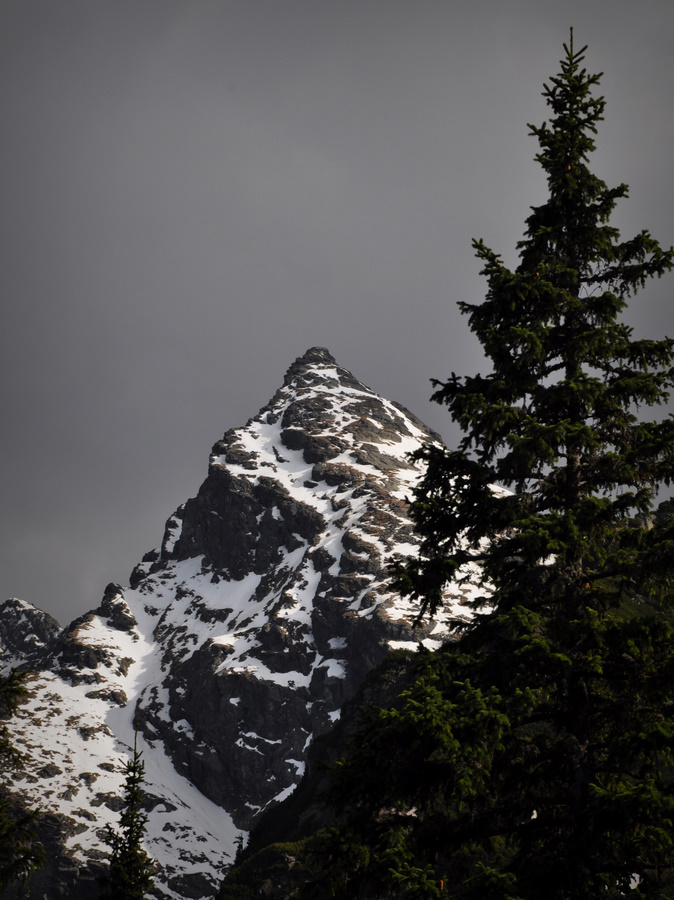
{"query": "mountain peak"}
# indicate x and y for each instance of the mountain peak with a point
(242, 635)
(317, 369)
(316, 355)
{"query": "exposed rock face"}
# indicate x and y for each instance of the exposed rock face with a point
(239, 639)
(25, 633)
(65, 875)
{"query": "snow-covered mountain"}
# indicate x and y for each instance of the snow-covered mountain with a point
(235, 643)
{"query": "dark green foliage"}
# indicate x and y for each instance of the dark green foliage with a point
(488, 790)
(130, 874)
(20, 852)
(12, 691)
(535, 757)
(273, 872)
(555, 420)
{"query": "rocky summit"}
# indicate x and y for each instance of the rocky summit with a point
(236, 642)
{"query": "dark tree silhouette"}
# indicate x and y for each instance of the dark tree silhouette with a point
(130, 874)
(535, 756)
(21, 854)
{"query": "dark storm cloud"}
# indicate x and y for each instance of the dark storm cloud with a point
(195, 193)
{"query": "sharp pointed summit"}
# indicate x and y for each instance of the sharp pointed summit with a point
(237, 640)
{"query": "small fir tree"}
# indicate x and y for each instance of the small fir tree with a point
(130, 873)
(535, 757)
(20, 852)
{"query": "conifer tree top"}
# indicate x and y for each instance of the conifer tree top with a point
(559, 418)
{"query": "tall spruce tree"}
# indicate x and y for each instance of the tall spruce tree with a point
(130, 873)
(21, 853)
(535, 757)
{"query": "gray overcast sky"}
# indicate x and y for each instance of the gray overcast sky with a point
(195, 192)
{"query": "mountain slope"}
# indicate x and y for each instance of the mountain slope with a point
(239, 639)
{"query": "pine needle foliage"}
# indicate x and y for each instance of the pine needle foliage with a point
(21, 854)
(556, 420)
(130, 873)
(535, 757)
